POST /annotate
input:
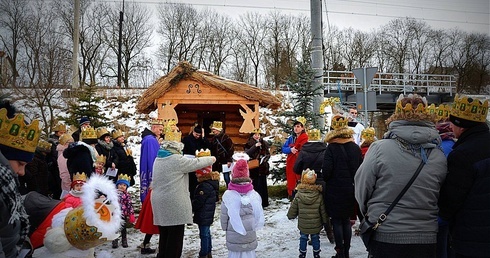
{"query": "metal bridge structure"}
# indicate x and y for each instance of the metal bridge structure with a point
(388, 86)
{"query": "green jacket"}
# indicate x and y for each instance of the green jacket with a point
(309, 207)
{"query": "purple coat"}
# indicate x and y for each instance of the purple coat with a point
(149, 151)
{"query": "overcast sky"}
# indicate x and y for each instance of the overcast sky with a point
(468, 15)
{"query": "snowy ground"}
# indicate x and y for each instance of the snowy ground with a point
(278, 238)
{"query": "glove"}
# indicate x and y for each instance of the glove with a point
(132, 219)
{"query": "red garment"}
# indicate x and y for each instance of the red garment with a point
(37, 236)
(145, 219)
(364, 149)
(72, 201)
(292, 177)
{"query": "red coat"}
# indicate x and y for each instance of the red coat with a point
(297, 143)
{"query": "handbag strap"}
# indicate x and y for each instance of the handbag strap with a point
(383, 216)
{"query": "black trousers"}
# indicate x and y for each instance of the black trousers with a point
(171, 241)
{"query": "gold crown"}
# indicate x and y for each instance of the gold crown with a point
(43, 145)
(469, 108)
(15, 133)
(66, 137)
(339, 121)
(59, 127)
(302, 120)
(124, 177)
(88, 133)
(368, 133)
(101, 131)
(328, 102)
(441, 111)
(157, 121)
(408, 108)
(173, 136)
(203, 153)
(308, 176)
(117, 133)
(218, 125)
(100, 159)
(314, 135)
(256, 130)
(79, 177)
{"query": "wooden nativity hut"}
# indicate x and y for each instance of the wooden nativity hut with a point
(191, 96)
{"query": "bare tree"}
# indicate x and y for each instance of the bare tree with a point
(253, 27)
(215, 39)
(44, 66)
(179, 26)
(13, 15)
(396, 39)
(136, 35)
(281, 47)
(421, 38)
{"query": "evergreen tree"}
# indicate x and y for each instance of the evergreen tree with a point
(303, 93)
(86, 104)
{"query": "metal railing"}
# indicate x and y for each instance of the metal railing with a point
(335, 81)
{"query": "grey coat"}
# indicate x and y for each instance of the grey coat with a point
(387, 167)
(170, 195)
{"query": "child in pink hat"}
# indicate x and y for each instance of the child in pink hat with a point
(241, 213)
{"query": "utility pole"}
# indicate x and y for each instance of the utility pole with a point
(317, 58)
(119, 59)
(76, 35)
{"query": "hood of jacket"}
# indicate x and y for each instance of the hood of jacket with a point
(422, 133)
(314, 147)
(147, 132)
(308, 193)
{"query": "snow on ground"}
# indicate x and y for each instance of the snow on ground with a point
(278, 238)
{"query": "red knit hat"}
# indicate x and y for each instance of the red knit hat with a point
(240, 170)
(204, 171)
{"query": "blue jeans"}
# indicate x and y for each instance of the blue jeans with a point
(226, 176)
(303, 242)
(205, 235)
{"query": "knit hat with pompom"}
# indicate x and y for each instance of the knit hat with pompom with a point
(240, 170)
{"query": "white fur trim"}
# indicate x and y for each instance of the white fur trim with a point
(55, 240)
(95, 184)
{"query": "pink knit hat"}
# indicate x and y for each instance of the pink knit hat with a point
(240, 170)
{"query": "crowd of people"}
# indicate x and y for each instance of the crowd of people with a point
(350, 174)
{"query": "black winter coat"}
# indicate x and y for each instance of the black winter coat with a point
(125, 164)
(465, 194)
(311, 156)
(204, 202)
(338, 170)
(107, 149)
(79, 159)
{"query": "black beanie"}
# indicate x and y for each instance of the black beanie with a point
(197, 129)
(460, 122)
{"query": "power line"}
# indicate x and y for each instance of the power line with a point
(330, 11)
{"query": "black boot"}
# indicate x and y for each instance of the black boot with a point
(114, 243)
(346, 251)
(147, 250)
(340, 253)
(302, 254)
(316, 254)
(124, 242)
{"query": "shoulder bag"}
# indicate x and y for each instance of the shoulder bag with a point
(367, 228)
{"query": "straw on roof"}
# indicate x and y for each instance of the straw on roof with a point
(184, 70)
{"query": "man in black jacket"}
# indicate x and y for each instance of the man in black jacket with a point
(464, 196)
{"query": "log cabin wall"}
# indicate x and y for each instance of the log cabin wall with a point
(194, 102)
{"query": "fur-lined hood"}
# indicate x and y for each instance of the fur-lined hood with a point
(344, 133)
(309, 187)
(214, 175)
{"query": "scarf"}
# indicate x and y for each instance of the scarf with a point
(12, 198)
(241, 188)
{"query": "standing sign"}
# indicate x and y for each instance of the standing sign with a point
(365, 75)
